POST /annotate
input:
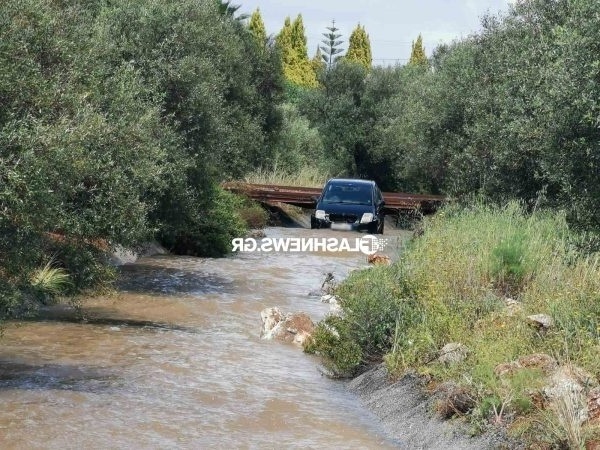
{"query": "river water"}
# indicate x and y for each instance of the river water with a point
(175, 360)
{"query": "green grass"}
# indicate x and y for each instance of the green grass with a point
(451, 286)
(305, 177)
(49, 282)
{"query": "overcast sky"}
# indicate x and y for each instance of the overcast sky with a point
(392, 25)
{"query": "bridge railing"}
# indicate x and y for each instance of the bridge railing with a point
(305, 196)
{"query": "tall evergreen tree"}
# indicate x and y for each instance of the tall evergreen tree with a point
(299, 38)
(417, 56)
(359, 48)
(284, 42)
(257, 27)
(292, 43)
(331, 45)
(317, 62)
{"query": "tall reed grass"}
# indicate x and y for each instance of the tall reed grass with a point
(305, 177)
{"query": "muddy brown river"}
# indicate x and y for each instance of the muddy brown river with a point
(174, 360)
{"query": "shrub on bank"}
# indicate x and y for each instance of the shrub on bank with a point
(473, 278)
(203, 226)
(374, 304)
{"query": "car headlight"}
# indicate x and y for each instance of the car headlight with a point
(320, 214)
(366, 218)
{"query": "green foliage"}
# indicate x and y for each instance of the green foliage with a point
(50, 281)
(292, 44)
(507, 264)
(516, 137)
(300, 144)
(331, 46)
(417, 54)
(332, 339)
(359, 48)
(376, 302)
(229, 10)
(445, 289)
(253, 214)
(317, 63)
(346, 111)
(117, 121)
(205, 226)
(509, 113)
(257, 28)
(299, 38)
(308, 176)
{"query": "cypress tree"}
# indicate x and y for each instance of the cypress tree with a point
(299, 38)
(257, 28)
(417, 56)
(317, 62)
(284, 42)
(292, 43)
(359, 49)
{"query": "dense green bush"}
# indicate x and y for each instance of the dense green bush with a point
(375, 306)
(117, 122)
(511, 112)
(299, 146)
(333, 341)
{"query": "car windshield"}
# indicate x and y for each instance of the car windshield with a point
(350, 193)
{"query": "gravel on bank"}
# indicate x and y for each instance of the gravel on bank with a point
(404, 410)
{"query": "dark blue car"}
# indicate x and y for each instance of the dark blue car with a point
(349, 204)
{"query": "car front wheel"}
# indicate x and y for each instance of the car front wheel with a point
(376, 228)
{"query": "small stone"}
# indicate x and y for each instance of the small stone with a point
(328, 298)
(593, 405)
(328, 286)
(453, 353)
(542, 361)
(512, 306)
(540, 321)
(453, 400)
(508, 368)
(299, 322)
(571, 384)
(381, 260)
(270, 318)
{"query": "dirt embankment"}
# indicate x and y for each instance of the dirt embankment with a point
(404, 410)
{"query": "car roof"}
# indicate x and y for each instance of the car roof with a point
(350, 181)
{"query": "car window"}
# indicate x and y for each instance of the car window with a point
(348, 193)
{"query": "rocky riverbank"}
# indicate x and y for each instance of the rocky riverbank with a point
(404, 409)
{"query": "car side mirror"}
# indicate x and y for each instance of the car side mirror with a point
(382, 203)
(315, 198)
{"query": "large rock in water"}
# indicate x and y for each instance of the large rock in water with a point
(292, 327)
